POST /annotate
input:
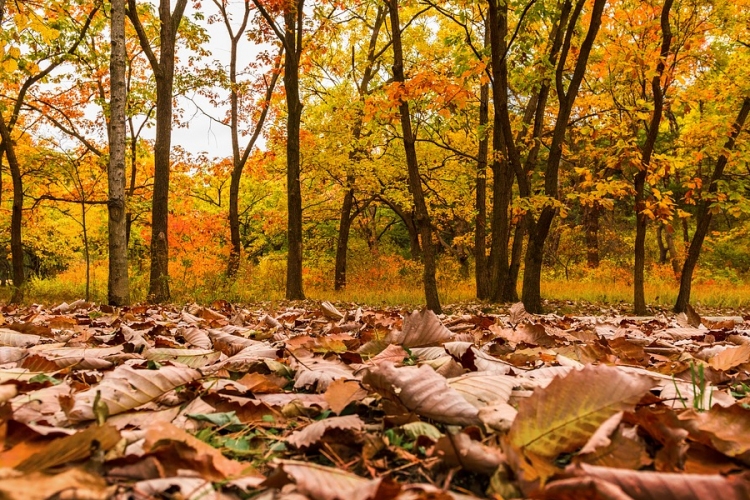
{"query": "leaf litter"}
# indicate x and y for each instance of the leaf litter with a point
(332, 402)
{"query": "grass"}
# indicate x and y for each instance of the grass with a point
(266, 284)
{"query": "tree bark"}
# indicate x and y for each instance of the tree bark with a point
(591, 227)
(415, 182)
(293, 25)
(163, 68)
(502, 187)
(118, 293)
(16, 242)
(480, 222)
(704, 213)
(538, 231)
(345, 218)
(639, 297)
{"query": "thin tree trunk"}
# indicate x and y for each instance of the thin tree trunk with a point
(511, 288)
(704, 214)
(163, 68)
(539, 230)
(415, 181)
(345, 219)
(639, 296)
(660, 242)
(480, 230)
(502, 187)
(591, 227)
(16, 242)
(293, 24)
(672, 251)
(118, 293)
(86, 254)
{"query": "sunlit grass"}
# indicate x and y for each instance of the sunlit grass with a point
(265, 283)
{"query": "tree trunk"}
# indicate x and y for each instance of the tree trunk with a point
(480, 230)
(502, 172)
(641, 218)
(293, 25)
(415, 182)
(538, 231)
(345, 219)
(510, 291)
(660, 241)
(591, 227)
(672, 251)
(118, 293)
(16, 242)
(342, 243)
(163, 68)
(704, 213)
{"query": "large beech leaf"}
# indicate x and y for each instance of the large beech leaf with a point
(14, 339)
(462, 451)
(424, 392)
(564, 415)
(194, 358)
(648, 485)
(313, 432)
(422, 329)
(126, 388)
(326, 483)
(317, 372)
(483, 388)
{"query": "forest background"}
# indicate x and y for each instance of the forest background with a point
(380, 152)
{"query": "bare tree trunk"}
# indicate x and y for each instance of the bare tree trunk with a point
(704, 214)
(660, 241)
(415, 181)
(480, 230)
(118, 293)
(293, 24)
(163, 68)
(538, 231)
(639, 296)
(16, 242)
(672, 251)
(591, 227)
(345, 219)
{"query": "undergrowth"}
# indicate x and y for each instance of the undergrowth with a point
(392, 281)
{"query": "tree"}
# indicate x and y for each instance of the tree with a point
(240, 155)
(423, 222)
(539, 228)
(705, 212)
(163, 68)
(291, 40)
(44, 44)
(118, 292)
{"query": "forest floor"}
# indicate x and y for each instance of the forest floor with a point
(322, 401)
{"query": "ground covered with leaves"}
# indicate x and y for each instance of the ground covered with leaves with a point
(314, 401)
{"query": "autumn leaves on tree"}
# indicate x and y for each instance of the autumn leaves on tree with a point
(454, 129)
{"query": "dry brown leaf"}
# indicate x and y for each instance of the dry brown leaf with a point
(189, 488)
(517, 313)
(72, 483)
(564, 415)
(481, 389)
(12, 338)
(667, 486)
(182, 450)
(197, 337)
(326, 483)
(459, 450)
(311, 434)
(498, 416)
(317, 372)
(731, 357)
(341, 392)
(422, 329)
(194, 358)
(422, 391)
(125, 388)
(393, 353)
(71, 448)
(726, 429)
